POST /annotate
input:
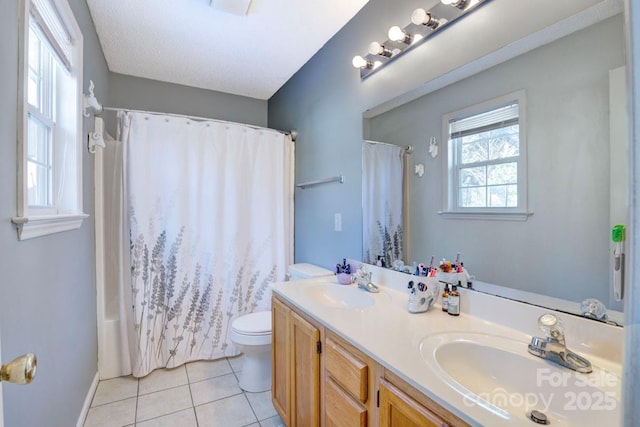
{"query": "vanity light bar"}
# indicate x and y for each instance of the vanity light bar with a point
(424, 24)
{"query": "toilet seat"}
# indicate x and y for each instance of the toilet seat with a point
(258, 323)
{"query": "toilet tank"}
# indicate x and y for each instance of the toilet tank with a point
(307, 271)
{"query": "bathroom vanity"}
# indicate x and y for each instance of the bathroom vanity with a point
(321, 379)
(345, 357)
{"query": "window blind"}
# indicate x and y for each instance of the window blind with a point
(46, 17)
(483, 122)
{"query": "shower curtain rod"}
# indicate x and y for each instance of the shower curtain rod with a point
(408, 149)
(292, 133)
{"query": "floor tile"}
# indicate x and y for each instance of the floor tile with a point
(214, 389)
(166, 398)
(115, 389)
(230, 412)
(163, 402)
(116, 414)
(272, 422)
(261, 404)
(186, 418)
(205, 369)
(236, 362)
(162, 379)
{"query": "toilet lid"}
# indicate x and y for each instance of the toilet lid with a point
(258, 323)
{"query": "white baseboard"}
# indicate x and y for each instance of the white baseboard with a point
(87, 401)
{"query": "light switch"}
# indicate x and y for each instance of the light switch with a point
(337, 222)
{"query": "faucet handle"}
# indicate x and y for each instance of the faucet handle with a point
(594, 309)
(361, 271)
(553, 326)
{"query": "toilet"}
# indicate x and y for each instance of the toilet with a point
(251, 334)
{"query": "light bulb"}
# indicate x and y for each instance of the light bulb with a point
(420, 17)
(376, 48)
(359, 62)
(397, 34)
(460, 4)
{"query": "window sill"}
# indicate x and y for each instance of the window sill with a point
(37, 226)
(486, 216)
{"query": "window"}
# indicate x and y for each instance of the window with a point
(50, 128)
(486, 160)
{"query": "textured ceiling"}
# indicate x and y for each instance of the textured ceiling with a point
(191, 43)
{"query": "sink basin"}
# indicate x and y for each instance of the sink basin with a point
(499, 375)
(340, 296)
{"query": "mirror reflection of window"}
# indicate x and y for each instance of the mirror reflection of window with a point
(486, 146)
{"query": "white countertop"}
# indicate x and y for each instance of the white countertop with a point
(391, 335)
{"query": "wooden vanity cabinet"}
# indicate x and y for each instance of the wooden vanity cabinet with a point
(349, 385)
(399, 410)
(296, 344)
(305, 373)
(401, 405)
(280, 359)
(319, 379)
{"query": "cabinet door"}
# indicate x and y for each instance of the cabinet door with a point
(399, 410)
(280, 359)
(305, 373)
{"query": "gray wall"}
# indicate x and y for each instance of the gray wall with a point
(151, 95)
(325, 101)
(47, 302)
(563, 249)
(631, 367)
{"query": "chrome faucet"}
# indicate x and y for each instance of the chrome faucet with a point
(364, 281)
(554, 347)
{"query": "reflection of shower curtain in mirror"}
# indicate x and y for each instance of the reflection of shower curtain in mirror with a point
(382, 176)
(209, 208)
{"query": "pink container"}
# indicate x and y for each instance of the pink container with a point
(344, 278)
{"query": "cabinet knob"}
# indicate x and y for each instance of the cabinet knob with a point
(21, 370)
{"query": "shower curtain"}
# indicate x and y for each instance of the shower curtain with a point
(382, 179)
(209, 224)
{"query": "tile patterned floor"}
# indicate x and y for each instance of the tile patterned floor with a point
(199, 394)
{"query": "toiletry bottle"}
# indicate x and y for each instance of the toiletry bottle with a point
(445, 299)
(453, 306)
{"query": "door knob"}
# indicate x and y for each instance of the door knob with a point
(21, 370)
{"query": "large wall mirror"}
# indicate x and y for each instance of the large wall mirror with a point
(577, 159)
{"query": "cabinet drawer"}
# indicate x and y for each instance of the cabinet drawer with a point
(346, 369)
(341, 410)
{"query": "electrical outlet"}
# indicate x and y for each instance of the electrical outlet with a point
(337, 222)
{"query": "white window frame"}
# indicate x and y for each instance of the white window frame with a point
(33, 221)
(452, 210)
